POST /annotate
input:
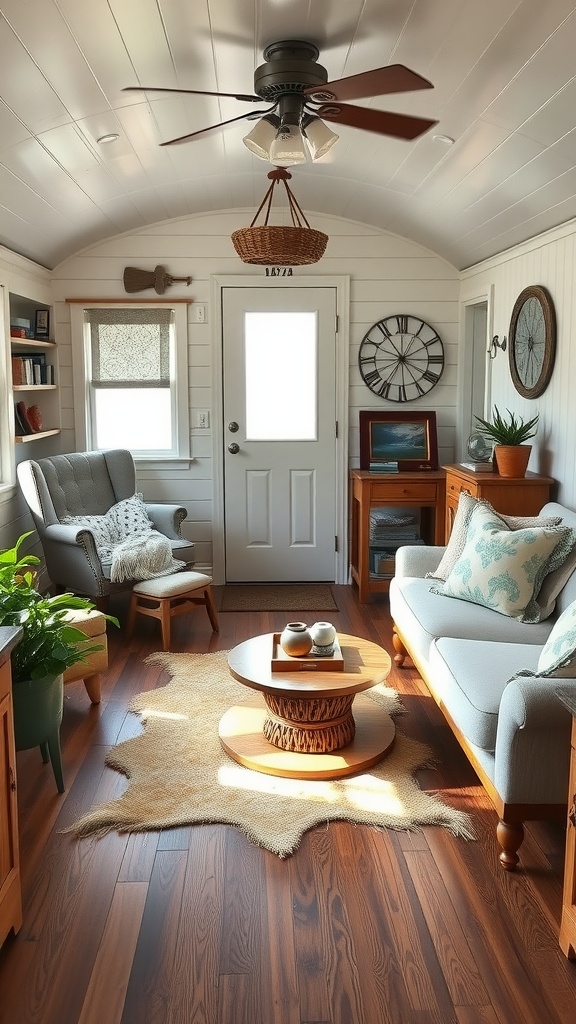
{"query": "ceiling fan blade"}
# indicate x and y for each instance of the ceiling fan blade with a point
(250, 114)
(193, 92)
(379, 82)
(401, 126)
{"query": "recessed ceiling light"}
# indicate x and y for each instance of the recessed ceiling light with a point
(104, 139)
(446, 139)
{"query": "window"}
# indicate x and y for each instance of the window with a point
(135, 377)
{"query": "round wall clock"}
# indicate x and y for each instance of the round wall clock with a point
(532, 341)
(401, 358)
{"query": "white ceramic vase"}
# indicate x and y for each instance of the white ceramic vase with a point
(323, 636)
(296, 639)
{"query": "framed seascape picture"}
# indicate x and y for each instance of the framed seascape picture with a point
(398, 441)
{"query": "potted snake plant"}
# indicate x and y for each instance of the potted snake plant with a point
(509, 434)
(49, 644)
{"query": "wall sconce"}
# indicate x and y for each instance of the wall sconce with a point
(494, 345)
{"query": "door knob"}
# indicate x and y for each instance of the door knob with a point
(233, 448)
(233, 427)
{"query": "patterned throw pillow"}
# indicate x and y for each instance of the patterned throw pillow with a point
(503, 569)
(129, 517)
(458, 536)
(558, 656)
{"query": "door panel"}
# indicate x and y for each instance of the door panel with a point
(279, 386)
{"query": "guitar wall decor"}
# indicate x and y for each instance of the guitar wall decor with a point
(136, 280)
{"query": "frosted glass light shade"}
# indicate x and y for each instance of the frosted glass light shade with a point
(260, 139)
(320, 138)
(288, 147)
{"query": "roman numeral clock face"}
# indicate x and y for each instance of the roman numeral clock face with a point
(401, 358)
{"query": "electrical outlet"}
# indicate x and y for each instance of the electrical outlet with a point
(203, 419)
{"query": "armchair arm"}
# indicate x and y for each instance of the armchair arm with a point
(417, 560)
(533, 741)
(167, 519)
(71, 556)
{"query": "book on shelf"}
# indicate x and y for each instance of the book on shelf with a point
(31, 368)
(478, 467)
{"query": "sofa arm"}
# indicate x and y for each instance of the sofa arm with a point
(417, 560)
(533, 741)
(167, 519)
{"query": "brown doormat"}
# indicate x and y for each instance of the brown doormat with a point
(282, 597)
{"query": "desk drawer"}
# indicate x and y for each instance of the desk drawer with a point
(418, 491)
(454, 487)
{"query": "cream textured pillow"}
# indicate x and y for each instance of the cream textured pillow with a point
(503, 569)
(558, 656)
(466, 505)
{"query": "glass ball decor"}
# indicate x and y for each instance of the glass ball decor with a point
(478, 448)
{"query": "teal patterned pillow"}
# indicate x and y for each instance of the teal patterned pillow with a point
(558, 656)
(503, 569)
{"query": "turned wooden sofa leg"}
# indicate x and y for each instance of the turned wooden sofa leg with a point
(510, 838)
(401, 652)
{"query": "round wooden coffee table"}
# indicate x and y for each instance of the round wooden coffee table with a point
(313, 724)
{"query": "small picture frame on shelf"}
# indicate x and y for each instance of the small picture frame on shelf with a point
(42, 323)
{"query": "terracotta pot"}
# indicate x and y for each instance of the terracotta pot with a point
(512, 460)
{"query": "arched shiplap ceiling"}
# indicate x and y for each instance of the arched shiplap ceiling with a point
(504, 89)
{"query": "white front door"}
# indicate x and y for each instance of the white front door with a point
(279, 433)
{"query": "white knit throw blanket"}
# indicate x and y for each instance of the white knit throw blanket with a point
(142, 557)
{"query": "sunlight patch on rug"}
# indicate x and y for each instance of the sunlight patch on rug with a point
(180, 775)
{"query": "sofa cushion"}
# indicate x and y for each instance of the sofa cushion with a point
(469, 678)
(504, 569)
(558, 656)
(459, 533)
(422, 615)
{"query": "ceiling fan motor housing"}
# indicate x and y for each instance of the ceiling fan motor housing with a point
(290, 68)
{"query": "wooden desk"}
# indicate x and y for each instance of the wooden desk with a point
(305, 728)
(568, 922)
(424, 489)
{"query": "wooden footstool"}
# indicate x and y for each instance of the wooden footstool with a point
(93, 624)
(166, 596)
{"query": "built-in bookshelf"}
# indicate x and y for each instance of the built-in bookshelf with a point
(34, 365)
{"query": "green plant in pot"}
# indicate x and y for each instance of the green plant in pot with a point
(48, 646)
(509, 434)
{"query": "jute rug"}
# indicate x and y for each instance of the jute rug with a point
(281, 597)
(179, 773)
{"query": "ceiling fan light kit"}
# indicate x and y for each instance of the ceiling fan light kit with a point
(300, 93)
(280, 245)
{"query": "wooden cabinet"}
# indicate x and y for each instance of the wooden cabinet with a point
(422, 491)
(568, 921)
(10, 899)
(523, 497)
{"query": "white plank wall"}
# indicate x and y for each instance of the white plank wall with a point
(388, 275)
(547, 260)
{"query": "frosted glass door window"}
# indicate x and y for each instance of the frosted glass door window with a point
(281, 376)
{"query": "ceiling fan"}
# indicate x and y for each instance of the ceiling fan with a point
(301, 99)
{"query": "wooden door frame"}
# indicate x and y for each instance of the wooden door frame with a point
(341, 285)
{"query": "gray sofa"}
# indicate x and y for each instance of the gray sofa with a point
(516, 733)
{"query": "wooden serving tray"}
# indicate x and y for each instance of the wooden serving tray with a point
(282, 662)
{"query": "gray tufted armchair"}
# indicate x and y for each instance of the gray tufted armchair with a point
(88, 484)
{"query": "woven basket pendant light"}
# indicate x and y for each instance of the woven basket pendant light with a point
(279, 245)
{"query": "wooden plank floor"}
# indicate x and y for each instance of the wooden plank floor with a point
(198, 926)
